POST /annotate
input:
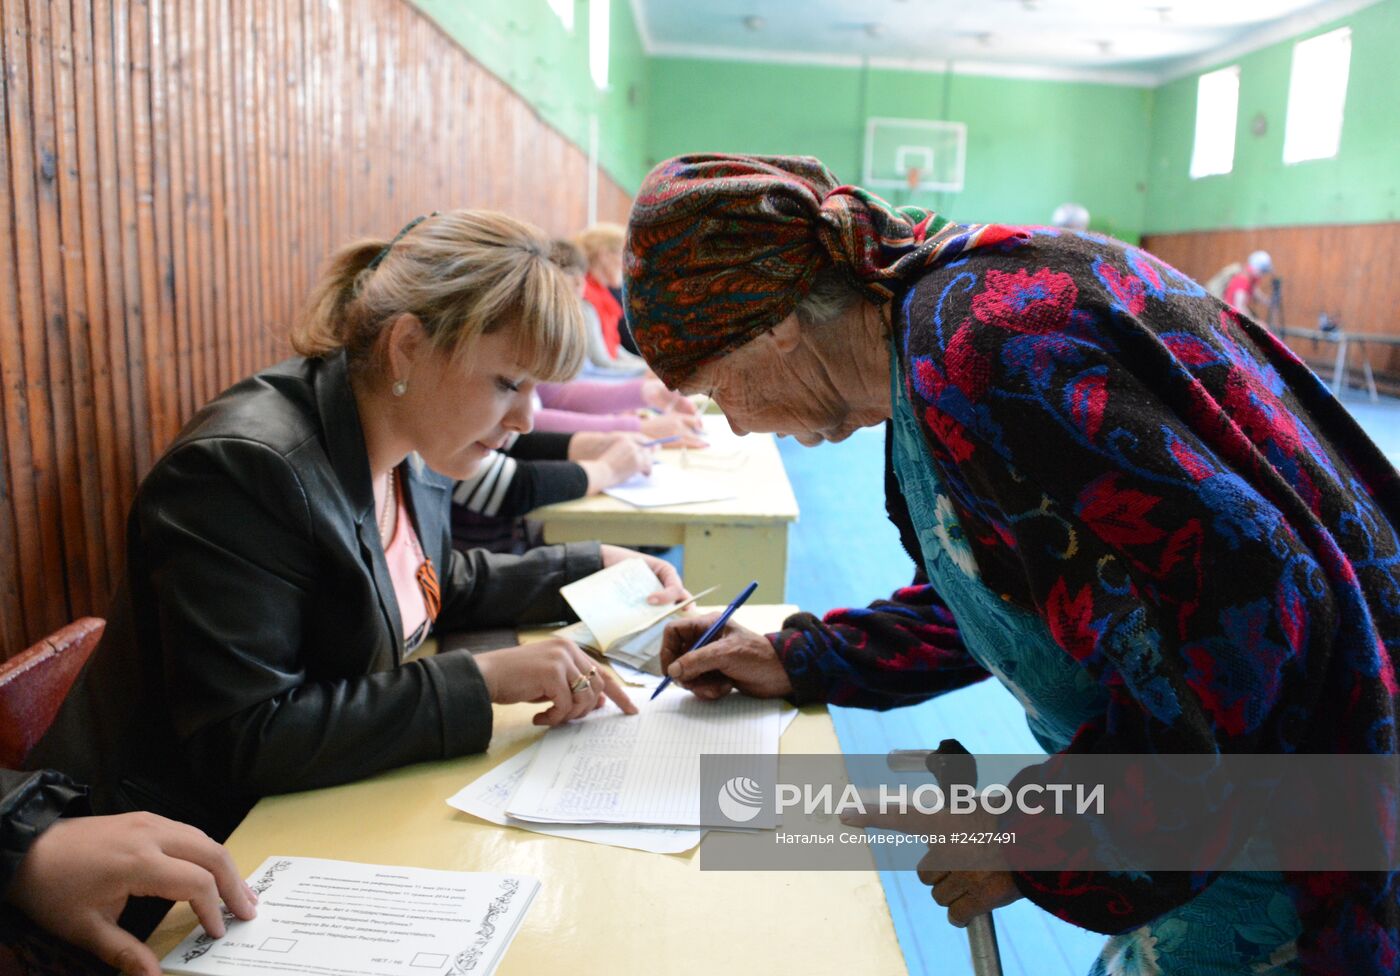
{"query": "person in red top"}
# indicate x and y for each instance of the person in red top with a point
(599, 248)
(601, 245)
(1243, 286)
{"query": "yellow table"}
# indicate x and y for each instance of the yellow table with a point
(600, 909)
(728, 542)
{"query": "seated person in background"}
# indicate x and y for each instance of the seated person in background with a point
(73, 875)
(291, 549)
(1071, 216)
(592, 263)
(532, 470)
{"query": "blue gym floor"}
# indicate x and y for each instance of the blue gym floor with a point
(843, 553)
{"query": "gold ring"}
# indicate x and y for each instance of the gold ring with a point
(592, 673)
(580, 683)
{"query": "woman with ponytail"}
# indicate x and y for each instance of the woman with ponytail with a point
(291, 550)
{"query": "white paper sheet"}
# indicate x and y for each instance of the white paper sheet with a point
(487, 797)
(340, 918)
(642, 769)
(673, 484)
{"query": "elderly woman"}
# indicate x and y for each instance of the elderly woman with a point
(1130, 504)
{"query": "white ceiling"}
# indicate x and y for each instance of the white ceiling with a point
(1122, 41)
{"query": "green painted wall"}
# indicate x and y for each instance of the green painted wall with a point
(1032, 145)
(1123, 152)
(523, 43)
(1361, 184)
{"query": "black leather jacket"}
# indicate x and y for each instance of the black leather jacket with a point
(256, 646)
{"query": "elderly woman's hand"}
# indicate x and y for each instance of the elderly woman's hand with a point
(672, 589)
(737, 658)
(965, 893)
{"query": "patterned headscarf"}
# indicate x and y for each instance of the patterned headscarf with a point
(721, 248)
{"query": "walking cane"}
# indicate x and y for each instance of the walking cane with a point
(952, 765)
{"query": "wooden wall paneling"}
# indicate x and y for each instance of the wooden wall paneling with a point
(168, 125)
(15, 503)
(128, 371)
(55, 297)
(176, 173)
(33, 478)
(156, 345)
(108, 398)
(1344, 270)
(71, 326)
(186, 194)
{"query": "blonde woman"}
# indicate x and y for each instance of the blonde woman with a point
(290, 550)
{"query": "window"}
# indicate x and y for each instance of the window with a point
(1317, 93)
(1217, 107)
(598, 42)
(564, 10)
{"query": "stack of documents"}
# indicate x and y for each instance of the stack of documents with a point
(625, 780)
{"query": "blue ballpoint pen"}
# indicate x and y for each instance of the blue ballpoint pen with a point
(714, 630)
(662, 440)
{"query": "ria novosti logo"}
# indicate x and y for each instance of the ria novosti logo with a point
(740, 799)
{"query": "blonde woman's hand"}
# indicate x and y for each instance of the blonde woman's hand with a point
(77, 876)
(549, 671)
(670, 589)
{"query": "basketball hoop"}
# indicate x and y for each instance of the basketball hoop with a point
(911, 176)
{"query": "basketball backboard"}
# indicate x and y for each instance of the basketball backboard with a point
(914, 154)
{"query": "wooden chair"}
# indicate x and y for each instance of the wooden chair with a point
(34, 683)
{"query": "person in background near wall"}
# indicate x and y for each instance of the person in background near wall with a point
(1071, 216)
(291, 550)
(72, 875)
(1237, 285)
(594, 259)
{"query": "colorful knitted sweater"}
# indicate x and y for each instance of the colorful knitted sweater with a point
(1198, 522)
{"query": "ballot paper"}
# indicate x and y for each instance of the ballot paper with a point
(612, 605)
(673, 484)
(641, 769)
(340, 918)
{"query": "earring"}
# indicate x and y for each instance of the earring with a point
(400, 387)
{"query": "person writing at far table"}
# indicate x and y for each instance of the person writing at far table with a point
(290, 550)
(1128, 503)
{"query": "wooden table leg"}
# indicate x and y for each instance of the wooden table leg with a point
(728, 556)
